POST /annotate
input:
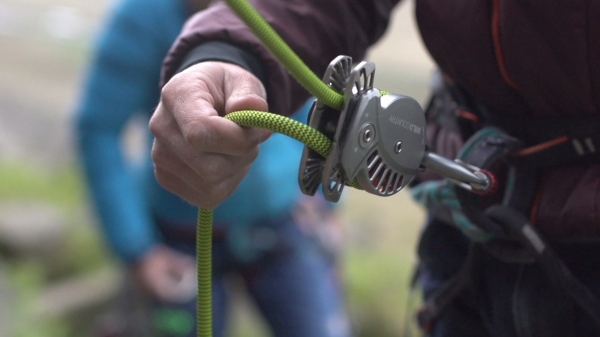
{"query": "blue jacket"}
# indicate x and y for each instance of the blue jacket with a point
(123, 82)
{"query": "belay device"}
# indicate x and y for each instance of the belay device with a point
(378, 140)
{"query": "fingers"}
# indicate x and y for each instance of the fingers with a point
(219, 135)
(187, 115)
(205, 184)
(251, 96)
(199, 155)
(167, 275)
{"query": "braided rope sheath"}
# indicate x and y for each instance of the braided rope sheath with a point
(204, 273)
(314, 139)
(287, 126)
(285, 54)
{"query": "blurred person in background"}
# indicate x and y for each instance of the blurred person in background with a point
(267, 233)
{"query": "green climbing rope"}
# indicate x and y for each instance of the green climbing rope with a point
(286, 55)
(287, 126)
(302, 132)
(204, 237)
(284, 125)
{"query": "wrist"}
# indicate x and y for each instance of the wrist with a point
(224, 52)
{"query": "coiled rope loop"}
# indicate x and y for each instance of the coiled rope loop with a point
(307, 135)
(277, 123)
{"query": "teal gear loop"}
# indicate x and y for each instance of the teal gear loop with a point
(443, 192)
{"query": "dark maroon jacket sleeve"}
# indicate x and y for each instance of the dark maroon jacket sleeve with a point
(317, 30)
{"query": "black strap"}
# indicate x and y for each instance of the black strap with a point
(518, 227)
(439, 300)
(580, 134)
(518, 241)
(224, 52)
(522, 236)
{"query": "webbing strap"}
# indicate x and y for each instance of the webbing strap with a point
(551, 141)
(519, 228)
(445, 295)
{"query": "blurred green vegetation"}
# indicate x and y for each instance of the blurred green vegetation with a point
(81, 251)
(379, 261)
(377, 284)
(60, 187)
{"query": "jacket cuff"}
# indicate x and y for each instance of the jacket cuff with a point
(224, 52)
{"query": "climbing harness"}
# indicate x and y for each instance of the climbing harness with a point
(495, 222)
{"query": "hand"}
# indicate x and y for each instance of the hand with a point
(197, 154)
(167, 275)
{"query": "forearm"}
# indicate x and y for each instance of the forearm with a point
(316, 30)
(124, 219)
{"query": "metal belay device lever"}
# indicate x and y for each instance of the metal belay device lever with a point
(378, 140)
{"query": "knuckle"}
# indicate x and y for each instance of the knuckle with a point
(247, 148)
(159, 157)
(220, 193)
(169, 92)
(157, 123)
(164, 178)
(212, 171)
(197, 134)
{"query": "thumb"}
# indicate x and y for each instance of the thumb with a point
(244, 91)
